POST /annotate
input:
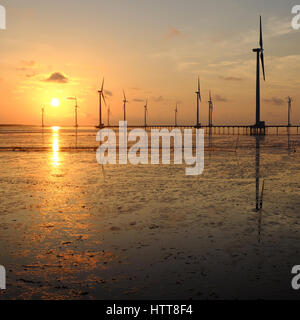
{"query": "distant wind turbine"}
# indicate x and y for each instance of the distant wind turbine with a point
(290, 100)
(210, 110)
(43, 114)
(260, 59)
(76, 110)
(176, 111)
(101, 96)
(146, 112)
(198, 93)
(124, 106)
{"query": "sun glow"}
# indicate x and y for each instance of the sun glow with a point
(55, 103)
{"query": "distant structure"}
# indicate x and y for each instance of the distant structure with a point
(290, 100)
(198, 93)
(146, 112)
(76, 114)
(101, 96)
(124, 106)
(260, 127)
(76, 110)
(43, 114)
(210, 111)
(176, 111)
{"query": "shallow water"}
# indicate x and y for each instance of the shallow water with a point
(70, 228)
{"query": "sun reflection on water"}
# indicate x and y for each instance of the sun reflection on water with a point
(55, 146)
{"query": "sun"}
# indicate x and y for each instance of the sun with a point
(55, 103)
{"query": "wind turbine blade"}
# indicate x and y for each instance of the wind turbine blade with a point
(263, 64)
(102, 87)
(104, 98)
(124, 96)
(199, 90)
(209, 95)
(261, 36)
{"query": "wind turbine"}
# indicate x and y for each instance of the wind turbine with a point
(210, 110)
(260, 58)
(76, 110)
(43, 113)
(146, 112)
(124, 106)
(290, 100)
(101, 96)
(198, 93)
(176, 111)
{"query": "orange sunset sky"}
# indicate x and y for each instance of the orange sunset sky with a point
(151, 49)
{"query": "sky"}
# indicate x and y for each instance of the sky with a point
(152, 49)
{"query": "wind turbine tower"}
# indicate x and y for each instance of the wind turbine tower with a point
(101, 96)
(124, 106)
(146, 112)
(290, 100)
(198, 93)
(210, 111)
(76, 113)
(176, 112)
(43, 113)
(76, 110)
(259, 127)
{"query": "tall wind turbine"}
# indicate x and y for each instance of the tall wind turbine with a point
(210, 110)
(260, 59)
(176, 111)
(290, 100)
(124, 106)
(101, 96)
(198, 93)
(146, 112)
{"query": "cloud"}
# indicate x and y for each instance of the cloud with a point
(277, 27)
(31, 75)
(230, 78)
(108, 93)
(275, 101)
(27, 65)
(57, 77)
(172, 33)
(219, 98)
(158, 99)
(138, 100)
